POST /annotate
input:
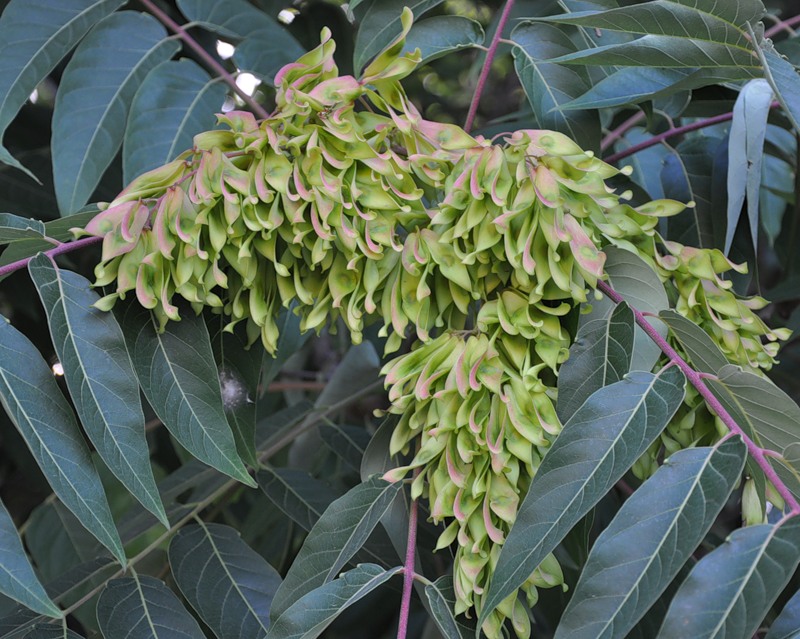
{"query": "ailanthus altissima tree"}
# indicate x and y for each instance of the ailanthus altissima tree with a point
(521, 395)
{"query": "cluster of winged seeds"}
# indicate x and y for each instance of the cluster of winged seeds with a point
(348, 206)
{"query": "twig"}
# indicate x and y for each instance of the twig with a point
(621, 130)
(66, 247)
(671, 133)
(408, 569)
(178, 30)
(756, 452)
(782, 25)
(487, 66)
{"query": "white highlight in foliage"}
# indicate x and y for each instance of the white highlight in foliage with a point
(247, 82)
(234, 392)
(287, 16)
(58, 369)
(225, 49)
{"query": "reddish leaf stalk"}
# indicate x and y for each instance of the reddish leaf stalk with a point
(696, 380)
(67, 247)
(782, 25)
(408, 569)
(487, 65)
(209, 60)
(671, 133)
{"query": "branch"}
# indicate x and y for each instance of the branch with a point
(178, 30)
(408, 569)
(783, 25)
(487, 65)
(66, 247)
(621, 130)
(696, 380)
(671, 133)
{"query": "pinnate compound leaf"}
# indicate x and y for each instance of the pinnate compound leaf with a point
(341, 531)
(176, 101)
(657, 529)
(601, 355)
(179, 378)
(311, 614)
(548, 85)
(730, 590)
(91, 348)
(787, 624)
(229, 584)
(33, 401)
(380, 24)
(34, 36)
(703, 353)
(14, 227)
(601, 441)
(745, 155)
(441, 35)
(298, 494)
(17, 579)
(142, 607)
(94, 98)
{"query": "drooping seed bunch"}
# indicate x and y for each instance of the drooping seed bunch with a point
(349, 206)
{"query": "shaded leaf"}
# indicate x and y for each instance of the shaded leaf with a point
(441, 35)
(51, 631)
(787, 624)
(13, 228)
(784, 79)
(380, 24)
(33, 401)
(17, 579)
(34, 36)
(142, 607)
(179, 378)
(548, 85)
(308, 617)
(290, 341)
(745, 153)
(442, 599)
(342, 530)
(600, 355)
(595, 448)
(298, 494)
(176, 101)
(264, 52)
(94, 97)
(648, 163)
(348, 442)
(703, 353)
(730, 590)
(226, 582)
(651, 537)
(91, 348)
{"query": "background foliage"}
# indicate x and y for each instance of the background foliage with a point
(95, 92)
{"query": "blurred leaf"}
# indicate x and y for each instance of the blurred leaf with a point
(308, 616)
(94, 97)
(298, 494)
(91, 348)
(784, 79)
(34, 36)
(226, 582)
(441, 35)
(343, 528)
(380, 24)
(777, 191)
(548, 85)
(290, 341)
(17, 579)
(730, 590)
(179, 378)
(348, 442)
(264, 52)
(13, 228)
(599, 443)
(142, 607)
(745, 153)
(600, 355)
(33, 401)
(703, 353)
(648, 163)
(787, 624)
(51, 631)
(651, 537)
(185, 99)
